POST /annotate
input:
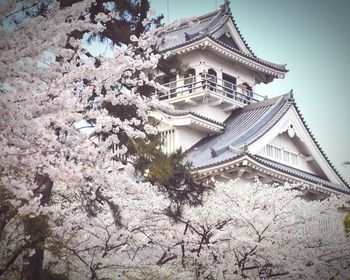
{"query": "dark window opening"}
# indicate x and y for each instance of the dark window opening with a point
(229, 84)
(212, 79)
(190, 79)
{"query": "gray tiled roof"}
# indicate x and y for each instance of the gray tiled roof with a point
(244, 126)
(206, 26)
(189, 32)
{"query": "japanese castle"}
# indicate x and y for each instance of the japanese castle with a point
(227, 129)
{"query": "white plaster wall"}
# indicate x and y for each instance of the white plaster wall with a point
(192, 59)
(293, 145)
(186, 137)
(204, 59)
(283, 140)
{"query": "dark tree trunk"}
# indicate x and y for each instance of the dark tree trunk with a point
(37, 228)
(33, 267)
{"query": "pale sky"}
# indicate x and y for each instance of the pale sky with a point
(313, 38)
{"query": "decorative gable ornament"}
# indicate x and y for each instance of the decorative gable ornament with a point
(291, 131)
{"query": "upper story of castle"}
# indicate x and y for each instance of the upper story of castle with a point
(222, 69)
(228, 130)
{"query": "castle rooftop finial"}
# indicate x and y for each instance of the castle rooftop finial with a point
(291, 94)
(226, 7)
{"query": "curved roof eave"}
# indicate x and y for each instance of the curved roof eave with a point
(184, 113)
(216, 20)
(295, 174)
(273, 66)
(301, 174)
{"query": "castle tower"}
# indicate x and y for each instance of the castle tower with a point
(229, 130)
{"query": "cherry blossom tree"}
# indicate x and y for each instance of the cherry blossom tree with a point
(54, 97)
(50, 85)
(251, 231)
(70, 205)
(258, 231)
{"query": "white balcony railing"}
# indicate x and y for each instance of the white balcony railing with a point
(195, 84)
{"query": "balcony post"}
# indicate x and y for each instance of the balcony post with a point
(219, 79)
(180, 83)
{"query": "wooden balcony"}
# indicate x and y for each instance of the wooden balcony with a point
(192, 89)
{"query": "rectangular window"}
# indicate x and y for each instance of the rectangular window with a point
(229, 83)
(168, 138)
(277, 153)
(269, 151)
(280, 154)
(293, 159)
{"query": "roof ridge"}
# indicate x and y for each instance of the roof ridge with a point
(219, 16)
(218, 25)
(184, 25)
(261, 123)
(266, 102)
(201, 18)
(279, 114)
(213, 25)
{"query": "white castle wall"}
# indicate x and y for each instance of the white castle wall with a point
(295, 146)
(187, 137)
(179, 137)
(203, 59)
